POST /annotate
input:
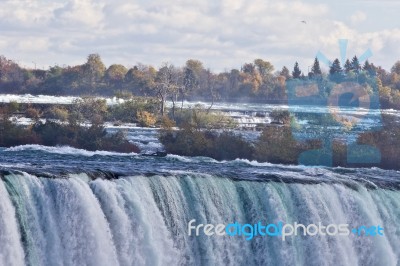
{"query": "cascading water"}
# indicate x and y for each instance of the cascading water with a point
(143, 220)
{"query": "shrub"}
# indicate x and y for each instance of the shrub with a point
(123, 94)
(280, 117)
(91, 109)
(92, 138)
(220, 146)
(228, 146)
(32, 113)
(200, 118)
(277, 145)
(59, 113)
(146, 119)
(127, 111)
(13, 106)
(167, 123)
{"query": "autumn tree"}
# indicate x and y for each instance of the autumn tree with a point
(395, 75)
(141, 79)
(265, 68)
(11, 75)
(93, 70)
(251, 79)
(191, 80)
(115, 74)
(194, 70)
(384, 93)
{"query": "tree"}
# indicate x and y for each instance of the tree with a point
(384, 93)
(285, 72)
(369, 68)
(396, 68)
(176, 86)
(115, 74)
(251, 79)
(355, 64)
(190, 83)
(94, 70)
(193, 73)
(11, 75)
(211, 81)
(336, 71)
(234, 81)
(195, 65)
(141, 79)
(264, 67)
(348, 66)
(296, 73)
(335, 68)
(316, 69)
(168, 82)
(248, 68)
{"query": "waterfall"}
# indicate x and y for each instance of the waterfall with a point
(11, 252)
(143, 220)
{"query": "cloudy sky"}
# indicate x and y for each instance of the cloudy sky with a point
(223, 34)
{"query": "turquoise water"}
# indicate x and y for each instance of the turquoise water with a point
(63, 206)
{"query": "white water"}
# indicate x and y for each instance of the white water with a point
(11, 252)
(245, 114)
(65, 150)
(143, 221)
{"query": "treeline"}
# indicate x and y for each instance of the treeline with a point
(255, 81)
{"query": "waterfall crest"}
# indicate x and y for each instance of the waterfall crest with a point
(142, 220)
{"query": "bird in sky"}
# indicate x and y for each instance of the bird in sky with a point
(303, 21)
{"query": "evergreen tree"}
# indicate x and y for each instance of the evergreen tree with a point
(296, 71)
(336, 71)
(369, 68)
(335, 67)
(285, 72)
(356, 64)
(316, 69)
(348, 66)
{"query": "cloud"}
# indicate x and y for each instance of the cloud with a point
(32, 44)
(358, 17)
(79, 13)
(223, 34)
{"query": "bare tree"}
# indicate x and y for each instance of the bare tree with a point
(169, 81)
(211, 83)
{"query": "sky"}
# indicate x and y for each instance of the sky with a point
(222, 34)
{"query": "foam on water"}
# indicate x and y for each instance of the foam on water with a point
(65, 150)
